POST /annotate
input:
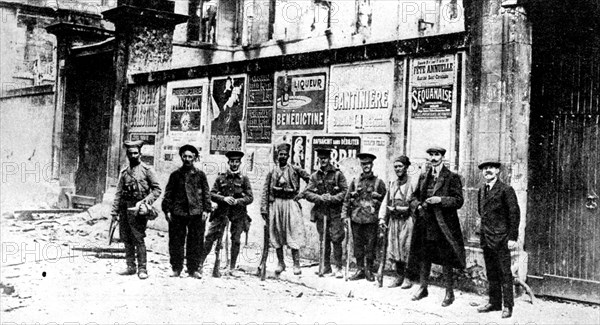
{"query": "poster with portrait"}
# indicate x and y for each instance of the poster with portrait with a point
(298, 154)
(227, 104)
(300, 100)
(185, 101)
(342, 148)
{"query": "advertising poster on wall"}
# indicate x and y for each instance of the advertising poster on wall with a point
(300, 103)
(432, 86)
(148, 149)
(361, 97)
(185, 102)
(260, 108)
(342, 148)
(143, 108)
(227, 98)
(298, 154)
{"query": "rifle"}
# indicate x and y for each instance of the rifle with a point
(218, 246)
(348, 244)
(322, 248)
(111, 230)
(262, 267)
(384, 235)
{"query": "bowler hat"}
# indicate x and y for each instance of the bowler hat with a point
(490, 162)
(234, 154)
(439, 149)
(366, 157)
(190, 148)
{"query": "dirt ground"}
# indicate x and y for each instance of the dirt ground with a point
(45, 279)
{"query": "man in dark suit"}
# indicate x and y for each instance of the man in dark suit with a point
(500, 215)
(437, 237)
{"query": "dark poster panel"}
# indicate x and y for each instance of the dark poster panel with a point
(228, 110)
(298, 154)
(301, 102)
(341, 148)
(260, 109)
(431, 102)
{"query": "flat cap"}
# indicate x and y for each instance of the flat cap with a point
(324, 153)
(284, 147)
(133, 144)
(190, 148)
(234, 154)
(441, 150)
(490, 162)
(366, 157)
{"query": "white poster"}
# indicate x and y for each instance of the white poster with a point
(361, 97)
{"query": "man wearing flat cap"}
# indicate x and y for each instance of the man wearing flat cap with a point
(187, 205)
(361, 208)
(500, 216)
(437, 237)
(137, 184)
(280, 204)
(231, 192)
(327, 188)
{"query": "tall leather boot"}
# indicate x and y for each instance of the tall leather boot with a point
(424, 279)
(141, 256)
(280, 263)
(130, 260)
(368, 273)
(449, 279)
(399, 275)
(296, 259)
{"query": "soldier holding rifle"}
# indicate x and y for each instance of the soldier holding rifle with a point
(326, 189)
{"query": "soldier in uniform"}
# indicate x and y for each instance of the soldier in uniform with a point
(361, 207)
(186, 205)
(326, 189)
(437, 237)
(500, 215)
(280, 204)
(232, 192)
(137, 184)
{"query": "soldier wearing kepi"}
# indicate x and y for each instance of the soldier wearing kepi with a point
(361, 207)
(437, 237)
(232, 192)
(280, 204)
(327, 188)
(187, 205)
(500, 215)
(137, 184)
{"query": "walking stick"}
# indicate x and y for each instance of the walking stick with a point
(322, 248)
(348, 244)
(384, 235)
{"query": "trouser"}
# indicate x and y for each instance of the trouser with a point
(365, 240)
(186, 231)
(500, 278)
(132, 230)
(334, 237)
(216, 230)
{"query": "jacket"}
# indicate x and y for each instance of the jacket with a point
(500, 215)
(187, 193)
(293, 187)
(135, 184)
(235, 185)
(329, 181)
(363, 199)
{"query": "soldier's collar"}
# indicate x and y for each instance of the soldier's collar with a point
(328, 168)
(365, 176)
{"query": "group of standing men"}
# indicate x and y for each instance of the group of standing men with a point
(421, 221)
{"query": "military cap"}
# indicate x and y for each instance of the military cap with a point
(490, 162)
(439, 149)
(324, 152)
(190, 148)
(403, 159)
(234, 154)
(133, 144)
(284, 147)
(366, 157)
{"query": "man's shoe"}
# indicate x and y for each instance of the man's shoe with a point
(449, 299)
(488, 308)
(143, 274)
(327, 270)
(420, 294)
(396, 283)
(369, 275)
(507, 312)
(407, 284)
(175, 274)
(127, 271)
(196, 275)
(360, 274)
(280, 268)
(337, 272)
(297, 270)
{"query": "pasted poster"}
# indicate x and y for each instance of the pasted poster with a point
(342, 148)
(298, 154)
(143, 108)
(361, 97)
(227, 97)
(432, 87)
(260, 109)
(300, 103)
(147, 153)
(185, 102)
